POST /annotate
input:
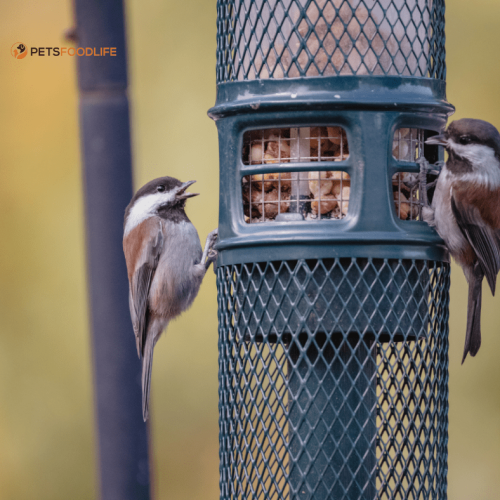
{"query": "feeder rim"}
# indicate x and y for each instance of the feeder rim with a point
(385, 93)
(375, 244)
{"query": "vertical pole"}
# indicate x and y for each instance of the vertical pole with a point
(107, 173)
(332, 434)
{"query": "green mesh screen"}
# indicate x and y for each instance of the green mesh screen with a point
(259, 39)
(333, 379)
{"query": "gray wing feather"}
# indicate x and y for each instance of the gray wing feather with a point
(483, 239)
(139, 291)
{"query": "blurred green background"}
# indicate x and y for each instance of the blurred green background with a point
(46, 407)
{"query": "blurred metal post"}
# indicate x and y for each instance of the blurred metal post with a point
(107, 167)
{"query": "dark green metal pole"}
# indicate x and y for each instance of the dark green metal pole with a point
(335, 412)
(107, 172)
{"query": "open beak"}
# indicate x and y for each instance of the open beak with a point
(181, 191)
(439, 140)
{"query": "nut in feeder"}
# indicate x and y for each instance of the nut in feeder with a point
(333, 293)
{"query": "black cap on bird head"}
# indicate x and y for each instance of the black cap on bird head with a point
(167, 194)
(469, 131)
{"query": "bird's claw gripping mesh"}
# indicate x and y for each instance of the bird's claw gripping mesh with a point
(260, 39)
(333, 379)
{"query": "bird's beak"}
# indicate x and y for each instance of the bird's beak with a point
(440, 140)
(181, 194)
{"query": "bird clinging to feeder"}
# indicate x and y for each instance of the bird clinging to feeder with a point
(466, 210)
(165, 264)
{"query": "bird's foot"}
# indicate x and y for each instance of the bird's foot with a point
(428, 215)
(425, 185)
(211, 258)
(422, 178)
(209, 253)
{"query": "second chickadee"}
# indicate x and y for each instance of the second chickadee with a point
(165, 264)
(466, 210)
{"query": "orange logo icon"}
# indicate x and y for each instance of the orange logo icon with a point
(19, 50)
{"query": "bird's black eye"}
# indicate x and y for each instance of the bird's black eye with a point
(160, 189)
(465, 139)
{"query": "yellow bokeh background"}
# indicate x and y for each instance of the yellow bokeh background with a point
(47, 440)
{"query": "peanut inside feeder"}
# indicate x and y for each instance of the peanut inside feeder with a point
(406, 194)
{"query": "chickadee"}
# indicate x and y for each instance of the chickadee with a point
(466, 210)
(165, 264)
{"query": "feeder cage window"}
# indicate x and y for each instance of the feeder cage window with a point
(304, 195)
(408, 144)
(408, 147)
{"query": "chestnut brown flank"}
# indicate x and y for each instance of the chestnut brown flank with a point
(135, 242)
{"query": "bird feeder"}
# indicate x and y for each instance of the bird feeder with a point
(332, 291)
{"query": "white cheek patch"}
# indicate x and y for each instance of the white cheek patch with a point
(145, 207)
(486, 167)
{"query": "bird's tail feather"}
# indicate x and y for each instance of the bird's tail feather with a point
(473, 333)
(147, 365)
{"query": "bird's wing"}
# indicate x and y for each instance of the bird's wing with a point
(140, 285)
(484, 239)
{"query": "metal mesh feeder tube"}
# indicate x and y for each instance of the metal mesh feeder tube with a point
(332, 292)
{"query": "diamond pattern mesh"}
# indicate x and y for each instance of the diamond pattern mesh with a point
(260, 39)
(333, 379)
